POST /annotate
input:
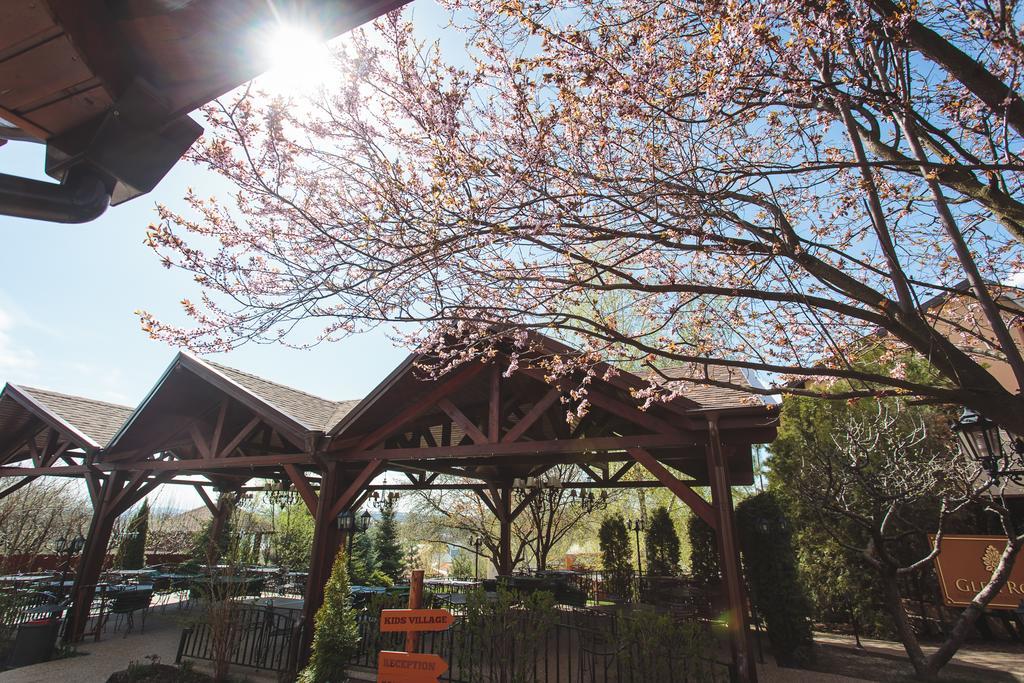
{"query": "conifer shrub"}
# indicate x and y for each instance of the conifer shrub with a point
(336, 632)
(662, 544)
(771, 572)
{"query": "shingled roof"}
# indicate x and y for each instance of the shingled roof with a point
(708, 396)
(314, 412)
(97, 420)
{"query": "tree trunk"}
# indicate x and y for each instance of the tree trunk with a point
(962, 626)
(904, 630)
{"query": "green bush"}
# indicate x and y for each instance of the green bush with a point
(336, 633)
(771, 570)
(390, 558)
(662, 544)
(503, 639)
(131, 552)
(616, 556)
(703, 552)
(654, 647)
(380, 579)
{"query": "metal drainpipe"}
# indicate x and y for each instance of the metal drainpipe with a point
(81, 198)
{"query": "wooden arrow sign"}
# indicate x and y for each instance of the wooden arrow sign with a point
(409, 668)
(405, 620)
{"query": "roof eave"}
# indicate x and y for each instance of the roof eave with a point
(40, 410)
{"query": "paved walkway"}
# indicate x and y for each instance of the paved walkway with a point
(1004, 658)
(96, 661)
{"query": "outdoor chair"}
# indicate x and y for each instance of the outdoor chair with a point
(125, 605)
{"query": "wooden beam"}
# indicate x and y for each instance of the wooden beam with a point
(534, 414)
(210, 505)
(15, 486)
(413, 411)
(633, 414)
(361, 480)
(459, 418)
(64, 471)
(200, 441)
(700, 506)
(218, 429)
(239, 437)
(128, 489)
(201, 465)
(626, 467)
(557, 446)
(530, 497)
(303, 486)
(144, 490)
(61, 449)
(494, 406)
(28, 432)
(482, 494)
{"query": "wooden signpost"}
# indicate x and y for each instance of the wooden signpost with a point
(409, 666)
(392, 620)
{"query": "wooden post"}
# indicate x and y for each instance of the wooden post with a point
(90, 565)
(729, 552)
(326, 541)
(412, 638)
(505, 531)
(221, 518)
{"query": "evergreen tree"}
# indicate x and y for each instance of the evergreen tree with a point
(336, 634)
(363, 561)
(390, 558)
(771, 570)
(462, 565)
(703, 552)
(662, 544)
(616, 556)
(131, 552)
(209, 550)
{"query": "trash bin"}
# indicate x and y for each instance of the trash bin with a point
(34, 642)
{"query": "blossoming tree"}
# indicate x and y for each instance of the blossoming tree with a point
(775, 186)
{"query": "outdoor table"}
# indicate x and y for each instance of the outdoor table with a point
(26, 578)
(263, 570)
(275, 604)
(133, 573)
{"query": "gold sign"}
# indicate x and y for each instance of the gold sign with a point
(965, 565)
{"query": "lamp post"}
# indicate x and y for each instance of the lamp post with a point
(351, 523)
(637, 526)
(68, 548)
(981, 440)
(477, 542)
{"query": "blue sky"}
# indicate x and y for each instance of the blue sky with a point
(69, 293)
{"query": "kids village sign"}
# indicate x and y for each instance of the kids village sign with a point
(965, 564)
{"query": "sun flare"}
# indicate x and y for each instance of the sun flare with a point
(299, 60)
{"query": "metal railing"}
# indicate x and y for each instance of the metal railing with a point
(576, 646)
(257, 637)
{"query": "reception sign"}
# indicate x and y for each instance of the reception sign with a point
(965, 564)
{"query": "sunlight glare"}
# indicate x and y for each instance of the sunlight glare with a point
(299, 60)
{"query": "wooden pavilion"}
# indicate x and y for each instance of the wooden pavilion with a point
(217, 429)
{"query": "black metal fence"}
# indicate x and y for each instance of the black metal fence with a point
(257, 637)
(570, 645)
(504, 643)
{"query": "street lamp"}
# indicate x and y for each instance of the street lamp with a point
(477, 542)
(981, 441)
(68, 547)
(351, 524)
(637, 526)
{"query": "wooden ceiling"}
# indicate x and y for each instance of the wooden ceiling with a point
(64, 63)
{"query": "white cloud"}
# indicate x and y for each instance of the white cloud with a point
(15, 359)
